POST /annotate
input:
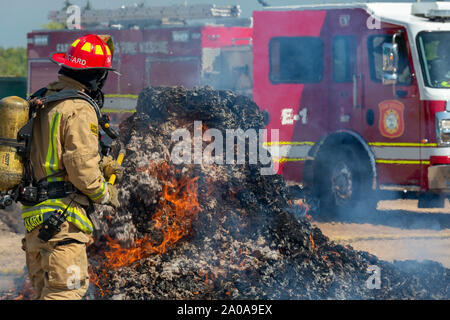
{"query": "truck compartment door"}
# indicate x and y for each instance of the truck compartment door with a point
(392, 113)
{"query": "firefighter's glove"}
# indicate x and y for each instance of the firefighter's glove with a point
(110, 167)
(36, 103)
(113, 199)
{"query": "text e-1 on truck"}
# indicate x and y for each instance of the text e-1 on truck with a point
(359, 94)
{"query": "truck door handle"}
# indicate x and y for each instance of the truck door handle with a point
(355, 91)
(401, 93)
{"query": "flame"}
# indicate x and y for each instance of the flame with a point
(97, 279)
(313, 245)
(177, 209)
(25, 291)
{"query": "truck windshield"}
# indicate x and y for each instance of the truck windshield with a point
(434, 52)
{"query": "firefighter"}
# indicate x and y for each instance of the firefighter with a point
(440, 67)
(65, 158)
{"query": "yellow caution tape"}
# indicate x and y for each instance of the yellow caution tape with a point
(393, 237)
(106, 110)
(128, 96)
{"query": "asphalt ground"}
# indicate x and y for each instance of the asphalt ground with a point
(12, 257)
(396, 230)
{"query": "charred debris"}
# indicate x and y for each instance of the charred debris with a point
(225, 231)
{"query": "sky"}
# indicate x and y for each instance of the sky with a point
(18, 17)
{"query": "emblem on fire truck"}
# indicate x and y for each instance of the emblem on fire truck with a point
(391, 122)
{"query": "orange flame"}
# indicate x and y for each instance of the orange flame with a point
(25, 292)
(313, 245)
(177, 209)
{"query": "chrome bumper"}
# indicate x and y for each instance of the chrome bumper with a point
(439, 178)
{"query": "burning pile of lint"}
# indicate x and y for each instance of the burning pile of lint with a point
(223, 231)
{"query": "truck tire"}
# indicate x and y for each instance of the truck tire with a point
(342, 183)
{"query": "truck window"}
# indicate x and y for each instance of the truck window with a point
(375, 47)
(434, 55)
(344, 57)
(296, 60)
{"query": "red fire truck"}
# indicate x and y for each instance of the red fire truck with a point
(359, 94)
(155, 46)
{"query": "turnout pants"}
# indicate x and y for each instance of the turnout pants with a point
(58, 269)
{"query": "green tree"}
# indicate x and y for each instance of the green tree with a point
(52, 25)
(13, 62)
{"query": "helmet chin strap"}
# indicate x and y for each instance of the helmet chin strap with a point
(93, 79)
(98, 96)
(97, 93)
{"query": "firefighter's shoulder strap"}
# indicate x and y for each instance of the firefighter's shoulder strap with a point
(39, 100)
(64, 95)
(46, 190)
(26, 132)
(103, 120)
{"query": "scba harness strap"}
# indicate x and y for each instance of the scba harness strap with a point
(28, 191)
(103, 120)
(44, 190)
(42, 200)
(64, 95)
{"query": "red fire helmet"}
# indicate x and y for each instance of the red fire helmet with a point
(87, 52)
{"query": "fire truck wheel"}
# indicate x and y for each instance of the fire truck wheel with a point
(341, 182)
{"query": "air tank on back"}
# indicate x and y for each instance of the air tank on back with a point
(13, 116)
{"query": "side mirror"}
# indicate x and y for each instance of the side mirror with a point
(390, 63)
